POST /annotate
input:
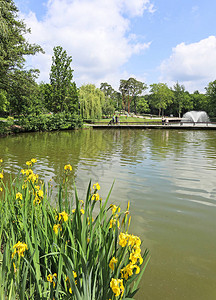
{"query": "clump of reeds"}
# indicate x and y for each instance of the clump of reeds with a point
(71, 251)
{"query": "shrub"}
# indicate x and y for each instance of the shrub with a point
(77, 250)
(58, 121)
(6, 125)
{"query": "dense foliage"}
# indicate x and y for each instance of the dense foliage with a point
(13, 49)
(63, 94)
(50, 122)
(211, 94)
(112, 99)
(130, 89)
(41, 122)
(161, 96)
(91, 101)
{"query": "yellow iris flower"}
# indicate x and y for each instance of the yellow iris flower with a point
(19, 196)
(63, 216)
(95, 197)
(117, 286)
(96, 186)
(19, 248)
(112, 263)
(68, 167)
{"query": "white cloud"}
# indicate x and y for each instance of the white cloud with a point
(95, 33)
(136, 8)
(193, 64)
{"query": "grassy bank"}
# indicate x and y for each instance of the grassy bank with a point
(75, 250)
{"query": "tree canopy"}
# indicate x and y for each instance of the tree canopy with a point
(13, 45)
(111, 99)
(91, 101)
(161, 96)
(130, 89)
(63, 95)
(18, 88)
(23, 93)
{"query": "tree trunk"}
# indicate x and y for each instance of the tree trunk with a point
(123, 103)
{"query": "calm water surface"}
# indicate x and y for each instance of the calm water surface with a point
(169, 177)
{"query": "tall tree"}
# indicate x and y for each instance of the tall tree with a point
(130, 89)
(161, 96)
(107, 89)
(23, 93)
(123, 90)
(135, 88)
(13, 45)
(200, 101)
(64, 95)
(179, 93)
(91, 101)
(111, 99)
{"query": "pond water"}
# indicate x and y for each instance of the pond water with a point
(169, 178)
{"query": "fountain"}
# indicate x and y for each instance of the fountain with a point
(195, 117)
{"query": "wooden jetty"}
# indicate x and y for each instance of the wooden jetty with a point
(154, 125)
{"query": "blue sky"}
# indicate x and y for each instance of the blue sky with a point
(153, 41)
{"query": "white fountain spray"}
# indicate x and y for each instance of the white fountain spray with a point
(195, 116)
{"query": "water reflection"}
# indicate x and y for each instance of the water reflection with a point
(168, 175)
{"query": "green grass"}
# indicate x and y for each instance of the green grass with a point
(131, 119)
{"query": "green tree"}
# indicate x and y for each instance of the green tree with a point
(182, 101)
(4, 103)
(142, 105)
(130, 89)
(123, 90)
(108, 108)
(64, 95)
(200, 101)
(91, 101)
(187, 102)
(107, 89)
(24, 93)
(135, 88)
(211, 95)
(178, 99)
(45, 93)
(111, 99)
(13, 45)
(161, 96)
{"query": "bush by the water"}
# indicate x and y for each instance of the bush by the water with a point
(50, 122)
(76, 250)
(42, 122)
